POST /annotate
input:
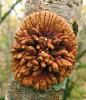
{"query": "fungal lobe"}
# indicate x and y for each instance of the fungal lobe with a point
(45, 51)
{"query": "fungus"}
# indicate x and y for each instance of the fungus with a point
(45, 51)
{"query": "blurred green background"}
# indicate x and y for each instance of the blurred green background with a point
(11, 14)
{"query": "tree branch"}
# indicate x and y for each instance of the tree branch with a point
(81, 54)
(8, 12)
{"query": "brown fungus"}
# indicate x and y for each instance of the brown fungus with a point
(45, 51)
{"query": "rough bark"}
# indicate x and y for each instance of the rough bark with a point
(69, 10)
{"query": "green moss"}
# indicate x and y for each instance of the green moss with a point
(69, 4)
(75, 26)
(50, 1)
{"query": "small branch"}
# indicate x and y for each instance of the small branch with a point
(8, 12)
(81, 55)
(0, 8)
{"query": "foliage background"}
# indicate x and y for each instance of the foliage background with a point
(76, 87)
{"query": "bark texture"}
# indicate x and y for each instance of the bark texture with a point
(70, 11)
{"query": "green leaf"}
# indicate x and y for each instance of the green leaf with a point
(3, 45)
(3, 38)
(2, 98)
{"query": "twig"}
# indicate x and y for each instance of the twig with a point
(8, 12)
(81, 55)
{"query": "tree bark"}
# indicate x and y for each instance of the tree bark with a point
(70, 11)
